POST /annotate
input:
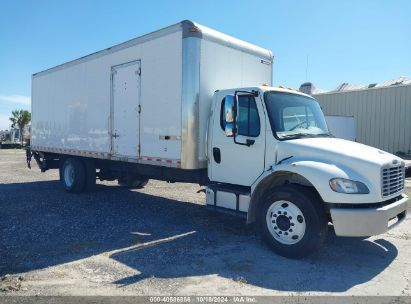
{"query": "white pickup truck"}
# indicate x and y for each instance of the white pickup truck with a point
(190, 104)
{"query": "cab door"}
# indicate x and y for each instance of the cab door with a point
(236, 162)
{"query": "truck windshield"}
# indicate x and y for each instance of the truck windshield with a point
(295, 116)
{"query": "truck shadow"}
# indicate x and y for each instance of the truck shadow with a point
(42, 226)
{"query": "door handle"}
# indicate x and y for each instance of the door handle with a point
(217, 155)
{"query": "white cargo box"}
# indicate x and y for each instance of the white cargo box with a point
(146, 100)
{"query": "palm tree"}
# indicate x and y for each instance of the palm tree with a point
(20, 119)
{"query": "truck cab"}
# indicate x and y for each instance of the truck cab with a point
(271, 156)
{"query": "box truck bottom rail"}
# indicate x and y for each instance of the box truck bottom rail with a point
(112, 170)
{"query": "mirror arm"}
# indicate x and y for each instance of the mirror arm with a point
(249, 142)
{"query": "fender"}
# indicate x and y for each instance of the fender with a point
(313, 173)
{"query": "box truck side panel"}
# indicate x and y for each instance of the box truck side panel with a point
(69, 112)
(72, 104)
(161, 77)
(222, 67)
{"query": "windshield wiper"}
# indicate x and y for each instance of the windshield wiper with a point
(298, 135)
(322, 135)
(304, 135)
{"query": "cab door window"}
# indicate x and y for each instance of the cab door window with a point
(248, 120)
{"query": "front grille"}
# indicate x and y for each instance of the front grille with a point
(392, 180)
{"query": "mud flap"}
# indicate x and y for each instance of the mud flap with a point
(40, 159)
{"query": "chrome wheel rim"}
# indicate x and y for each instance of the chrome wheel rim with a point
(286, 222)
(69, 175)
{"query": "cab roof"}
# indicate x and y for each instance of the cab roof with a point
(265, 88)
(283, 90)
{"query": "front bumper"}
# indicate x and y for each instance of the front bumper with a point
(368, 221)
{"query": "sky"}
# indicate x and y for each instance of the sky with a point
(321, 41)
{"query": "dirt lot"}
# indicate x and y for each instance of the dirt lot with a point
(161, 240)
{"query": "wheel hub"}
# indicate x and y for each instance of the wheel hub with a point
(286, 222)
(283, 223)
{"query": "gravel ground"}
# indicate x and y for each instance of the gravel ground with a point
(162, 241)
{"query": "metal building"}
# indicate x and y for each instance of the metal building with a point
(382, 113)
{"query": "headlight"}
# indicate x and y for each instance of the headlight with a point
(342, 185)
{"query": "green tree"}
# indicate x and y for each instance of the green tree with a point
(20, 119)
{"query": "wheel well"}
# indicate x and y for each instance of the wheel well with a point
(274, 180)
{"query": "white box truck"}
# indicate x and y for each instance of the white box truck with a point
(10, 139)
(190, 104)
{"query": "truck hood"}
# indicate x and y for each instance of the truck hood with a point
(336, 151)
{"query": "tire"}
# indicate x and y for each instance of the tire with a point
(292, 221)
(73, 175)
(133, 183)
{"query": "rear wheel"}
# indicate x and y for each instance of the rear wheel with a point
(292, 221)
(73, 175)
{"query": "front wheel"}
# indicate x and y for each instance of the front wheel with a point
(292, 221)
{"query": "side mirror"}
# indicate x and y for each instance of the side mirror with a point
(229, 115)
